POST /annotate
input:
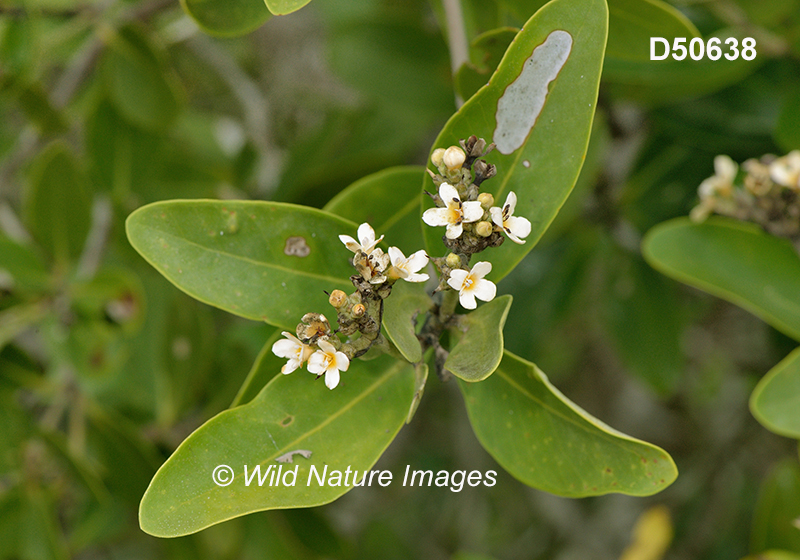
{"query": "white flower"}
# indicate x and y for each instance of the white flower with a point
(407, 268)
(786, 170)
(721, 182)
(328, 361)
(514, 226)
(293, 349)
(471, 285)
(373, 266)
(454, 213)
(366, 236)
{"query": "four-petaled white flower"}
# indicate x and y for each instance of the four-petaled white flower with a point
(515, 227)
(366, 236)
(407, 268)
(328, 361)
(472, 284)
(454, 213)
(786, 170)
(292, 349)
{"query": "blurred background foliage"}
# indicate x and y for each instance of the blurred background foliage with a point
(105, 368)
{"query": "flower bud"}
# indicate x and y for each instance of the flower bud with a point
(454, 157)
(337, 298)
(486, 200)
(437, 156)
(453, 260)
(359, 310)
(484, 229)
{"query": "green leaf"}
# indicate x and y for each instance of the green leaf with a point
(631, 23)
(266, 261)
(21, 267)
(485, 52)
(58, 206)
(548, 442)
(227, 18)
(405, 302)
(264, 369)
(669, 81)
(732, 260)
(644, 320)
(776, 400)
(283, 7)
(139, 82)
(777, 509)
(347, 427)
(787, 129)
(480, 349)
(774, 555)
(544, 168)
(389, 201)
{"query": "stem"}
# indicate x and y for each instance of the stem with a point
(448, 307)
(456, 37)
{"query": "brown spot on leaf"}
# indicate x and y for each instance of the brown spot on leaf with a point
(287, 421)
(296, 247)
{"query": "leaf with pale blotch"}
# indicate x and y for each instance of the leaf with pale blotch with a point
(480, 349)
(388, 201)
(227, 18)
(266, 261)
(540, 119)
(548, 442)
(732, 260)
(283, 7)
(776, 400)
(348, 427)
(406, 301)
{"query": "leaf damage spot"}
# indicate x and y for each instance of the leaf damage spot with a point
(287, 457)
(287, 421)
(523, 100)
(296, 247)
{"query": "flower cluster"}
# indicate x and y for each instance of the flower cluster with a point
(471, 220)
(767, 193)
(360, 311)
(472, 223)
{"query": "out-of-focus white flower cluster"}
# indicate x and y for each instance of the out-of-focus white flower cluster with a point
(765, 191)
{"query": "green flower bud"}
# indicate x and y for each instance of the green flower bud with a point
(437, 157)
(484, 229)
(453, 260)
(454, 157)
(486, 200)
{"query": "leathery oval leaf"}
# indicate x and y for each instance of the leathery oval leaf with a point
(227, 18)
(732, 260)
(283, 7)
(266, 261)
(776, 400)
(548, 442)
(538, 108)
(480, 349)
(347, 428)
(406, 301)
